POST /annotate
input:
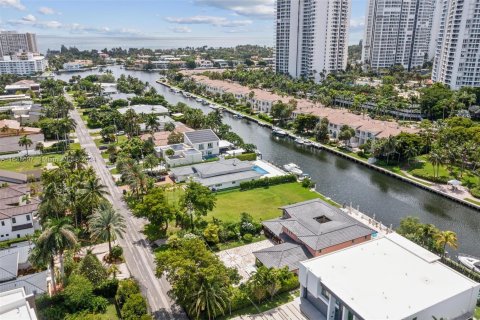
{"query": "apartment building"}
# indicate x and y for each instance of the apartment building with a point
(24, 65)
(397, 32)
(311, 37)
(12, 42)
(457, 56)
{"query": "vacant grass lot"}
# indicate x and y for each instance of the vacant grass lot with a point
(262, 203)
(29, 163)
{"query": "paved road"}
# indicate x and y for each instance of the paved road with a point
(137, 252)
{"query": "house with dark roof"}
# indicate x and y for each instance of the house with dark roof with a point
(205, 141)
(218, 175)
(17, 212)
(309, 229)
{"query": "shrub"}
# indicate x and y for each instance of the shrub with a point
(78, 293)
(117, 252)
(98, 304)
(308, 183)
(107, 289)
(126, 288)
(134, 307)
(244, 157)
(475, 192)
(52, 308)
(266, 182)
(247, 238)
(92, 269)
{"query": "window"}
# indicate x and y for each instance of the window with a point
(14, 220)
(3, 223)
(233, 182)
(28, 217)
(201, 147)
(18, 235)
(210, 145)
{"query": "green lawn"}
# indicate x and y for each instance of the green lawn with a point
(262, 204)
(30, 163)
(477, 313)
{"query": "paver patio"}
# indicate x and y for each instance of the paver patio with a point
(242, 257)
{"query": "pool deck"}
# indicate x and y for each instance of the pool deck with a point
(272, 170)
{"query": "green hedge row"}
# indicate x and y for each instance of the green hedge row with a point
(266, 182)
(244, 157)
(420, 173)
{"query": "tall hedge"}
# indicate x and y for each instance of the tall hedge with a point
(266, 182)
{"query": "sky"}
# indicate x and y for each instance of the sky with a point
(175, 19)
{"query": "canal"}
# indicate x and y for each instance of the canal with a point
(344, 181)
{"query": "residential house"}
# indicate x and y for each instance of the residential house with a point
(183, 154)
(24, 112)
(16, 304)
(22, 86)
(218, 175)
(204, 64)
(17, 212)
(220, 63)
(365, 127)
(309, 229)
(10, 133)
(77, 65)
(145, 109)
(205, 141)
(160, 138)
(389, 277)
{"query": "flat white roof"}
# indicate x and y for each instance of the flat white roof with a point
(388, 278)
(13, 305)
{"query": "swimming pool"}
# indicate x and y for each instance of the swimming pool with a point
(260, 170)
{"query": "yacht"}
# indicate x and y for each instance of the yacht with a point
(307, 143)
(293, 168)
(214, 107)
(472, 263)
(299, 141)
(279, 133)
(199, 99)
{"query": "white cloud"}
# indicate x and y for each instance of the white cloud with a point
(251, 8)
(16, 4)
(181, 29)
(75, 28)
(357, 23)
(214, 21)
(29, 18)
(46, 10)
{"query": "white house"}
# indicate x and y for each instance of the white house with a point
(386, 278)
(17, 212)
(183, 154)
(205, 141)
(218, 175)
(16, 304)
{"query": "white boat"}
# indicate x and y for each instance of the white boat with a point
(199, 99)
(237, 116)
(211, 105)
(187, 95)
(307, 143)
(299, 141)
(205, 102)
(176, 91)
(472, 263)
(293, 168)
(279, 132)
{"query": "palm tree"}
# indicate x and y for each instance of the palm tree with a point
(152, 123)
(105, 224)
(444, 238)
(76, 159)
(150, 162)
(58, 235)
(93, 193)
(411, 152)
(26, 142)
(436, 159)
(209, 298)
